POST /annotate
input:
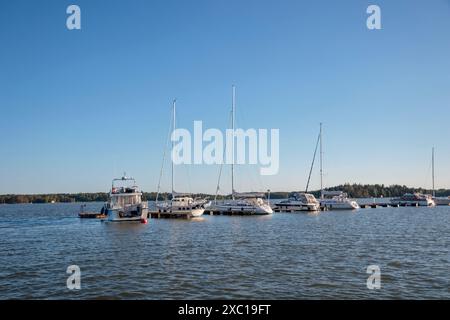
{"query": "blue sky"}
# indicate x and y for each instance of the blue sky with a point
(80, 107)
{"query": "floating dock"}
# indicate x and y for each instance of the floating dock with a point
(91, 215)
(169, 215)
(387, 205)
(230, 213)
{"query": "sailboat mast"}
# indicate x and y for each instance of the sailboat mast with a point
(312, 164)
(432, 173)
(233, 107)
(321, 163)
(173, 127)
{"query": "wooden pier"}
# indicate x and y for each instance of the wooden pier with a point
(91, 215)
(168, 215)
(229, 213)
(373, 205)
(387, 205)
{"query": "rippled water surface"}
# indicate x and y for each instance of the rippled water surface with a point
(283, 256)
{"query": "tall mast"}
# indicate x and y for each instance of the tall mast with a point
(173, 127)
(233, 107)
(432, 169)
(321, 163)
(312, 163)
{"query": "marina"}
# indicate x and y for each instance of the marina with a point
(224, 155)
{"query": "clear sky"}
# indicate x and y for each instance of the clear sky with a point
(78, 108)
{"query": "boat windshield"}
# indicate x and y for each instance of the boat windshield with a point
(122, 201)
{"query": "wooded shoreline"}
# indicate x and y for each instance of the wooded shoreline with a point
(353, 190)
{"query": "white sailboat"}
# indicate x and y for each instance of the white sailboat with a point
(419, 199)
(333, 200)
(179, 204)
(301, 201)
(244, 203)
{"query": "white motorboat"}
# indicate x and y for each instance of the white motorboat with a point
(180, 204)
(251, 203)
(414, 199)
(337, 200)
(298, 202)
(125, 203)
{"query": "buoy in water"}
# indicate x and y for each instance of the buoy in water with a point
(144, 221)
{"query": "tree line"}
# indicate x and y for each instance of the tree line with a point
(79, 197)
(353, 190)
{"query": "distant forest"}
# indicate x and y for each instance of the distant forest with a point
(353, 190)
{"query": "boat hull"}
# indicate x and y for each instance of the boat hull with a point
(242, 209)
(116, 215)
(290, 207)
(188, 212)
(442, 201)
(414, 203)
(336, 205)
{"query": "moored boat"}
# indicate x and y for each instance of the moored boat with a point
(240, 203)
(337, 200)
(244, 203)
(298, 202)
(442, 201)
(414, 199)
(125, 203)
(180, 204)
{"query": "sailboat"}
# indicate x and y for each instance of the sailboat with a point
(333, 200)
(301, 201)
(419, 199)
(240, 203)
(180, 203)
(439, 201)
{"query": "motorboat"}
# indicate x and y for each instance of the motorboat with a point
(337, 200)
(414, 199)
(182, 204)
(298, 202)
(125, 203)
(242, 203)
